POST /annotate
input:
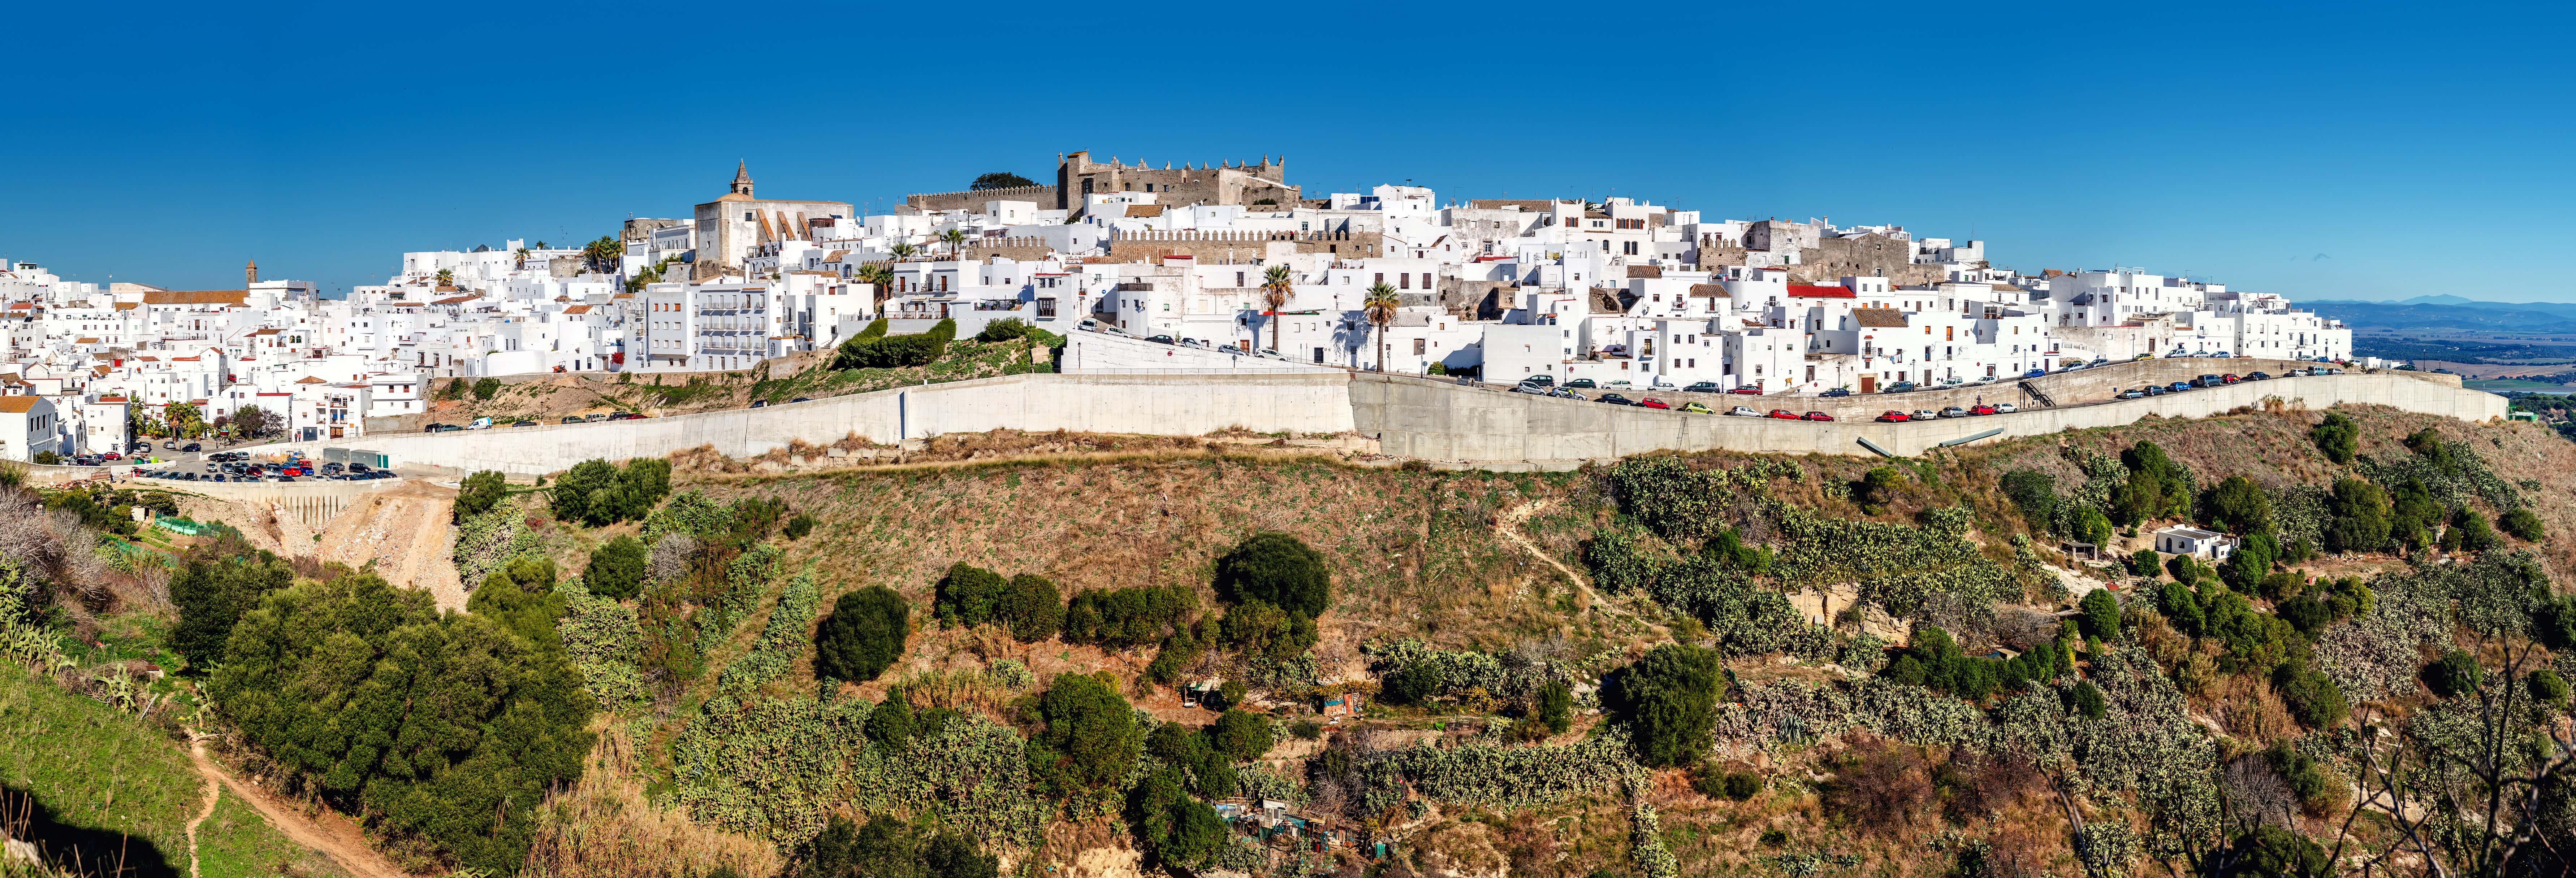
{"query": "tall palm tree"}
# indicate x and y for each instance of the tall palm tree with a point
(1274, 295)
(902, 251)
(956, 241)
(881, 277)
(1380, 307)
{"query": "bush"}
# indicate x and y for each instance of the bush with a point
(47, 458)
(486, 388)
(1127, 617)
(2473, 534)
(1002, 330)
(2313, 698)
(478, 492)
(2238, 505)
(1278, 569)
(2101, 614)
(1415, 683)
(864, 635)
(2338, 437)
(389, 707)
(873, 349)
(596, 493)
(2455, 674)
(886, 847)
(799, 526)
(1668, 698)
(2156, 488)
(966, 594)
(1032, 608)
(2086, 698)
(1255, 628)
(2523, 525)
(1176, 829)
(1089, 740)
(1881, 485)
(1879, 787)
(617, 568)
(2143, 563)
(2547, 686)
(1240, 735)
(1555, 707)
(1713, 781)
(2361, 517)
(2035, 494)
(216, 584)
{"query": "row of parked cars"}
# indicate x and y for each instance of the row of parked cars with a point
(1893, 416)
(488, 423)
(2216, 381)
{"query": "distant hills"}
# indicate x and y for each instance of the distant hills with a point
(2435, 313)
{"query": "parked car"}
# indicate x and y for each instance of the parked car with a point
(1836, 392)
(2132, 393)
(2035, 373)
(2229, 378)
(192, 447)
(1163, 339)
(2177, 387)
(1745, 390)
(1540, 380)
(113, 456)
(1696, 409)
(571, 419)
(524, 424)
(1926, 415)
(434, 428)
(1956, 412)
(624, 416)
(2205, 381)
(2099, 361)
(1613, 399)
(1743, 412)
(1562, 393)
(2005, 408)
(2258, 376)
(1898, 387)
(1531, 389)
(1784, 414)
(1192, 342)
(1581, 383)
(1815, 416)
(2142, 357)
(1892, 416)
(2071, 367)
(1702, 387)
(1652, 403)
(760, 403)
(802, 399)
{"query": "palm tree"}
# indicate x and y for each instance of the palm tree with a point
(1380, 309)
(956, 241)
(522, 264)
(1274, 295)
(881, 277)
(902, 251)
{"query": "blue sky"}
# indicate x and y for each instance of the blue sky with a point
(2321, 151)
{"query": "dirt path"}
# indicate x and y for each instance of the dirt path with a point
(214, 793)
(335, 839)
(1508, 524)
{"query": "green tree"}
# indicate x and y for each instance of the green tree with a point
(1415, 683)
(2475, 535)
(1881, 485)
(2313, 698)
(252, 422)
(1256, 628)
(2361, 517)
(478, 492)
(999, 180)
(1669, 698)
(891, 724)
(1276, 285)
(1033, 608)
(1277, 569)
(1555, 707)
(597, 493)
(1089, 740)
(2035, 494)
(522, 597)
(965, 596)
(2524, 525)
(1240, 735)
(618, 568)
(603, 254)
(2156, 488)
(1176, 829)
(2101, 614)
(887, 848)
(487, 388)
(216, 583)
(445, 728)
(2238, 505)
(2337, 436)
(1379, 308)
(866, 632)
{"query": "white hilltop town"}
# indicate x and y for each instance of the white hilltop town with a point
(1622, 293)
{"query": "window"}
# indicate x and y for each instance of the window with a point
(1403, 280)
(1417, 347)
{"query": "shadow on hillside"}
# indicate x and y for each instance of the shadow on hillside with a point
(87, 852)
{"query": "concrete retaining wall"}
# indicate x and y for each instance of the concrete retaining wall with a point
(1160, 404)
(1102, 353)
(1413, 417)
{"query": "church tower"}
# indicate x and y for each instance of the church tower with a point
(250, 274)
(742, 179)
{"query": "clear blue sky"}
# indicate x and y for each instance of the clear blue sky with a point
(2313, 150)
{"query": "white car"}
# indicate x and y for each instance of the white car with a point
(1924, 415)
(2005, 408)
(1741, 411)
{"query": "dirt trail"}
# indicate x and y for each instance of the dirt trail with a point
(1508, 524)
(336, 839)
(405, 531)
(214, 793)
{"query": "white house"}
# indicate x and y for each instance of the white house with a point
(2184, 540)
(28, 427)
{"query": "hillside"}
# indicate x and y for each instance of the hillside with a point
(549, 399)
(1702, 664)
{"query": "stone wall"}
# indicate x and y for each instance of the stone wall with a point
(1210, 248)
(974, 199)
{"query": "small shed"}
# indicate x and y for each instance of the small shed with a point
(2185, 540)
(2080, 551)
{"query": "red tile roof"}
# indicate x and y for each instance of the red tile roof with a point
(1803, 291)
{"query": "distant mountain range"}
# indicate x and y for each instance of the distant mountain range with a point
(2434, 313)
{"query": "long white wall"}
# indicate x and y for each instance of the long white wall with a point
(1411, 417)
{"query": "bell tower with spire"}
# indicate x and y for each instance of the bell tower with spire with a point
(250, 274)
(742, 179)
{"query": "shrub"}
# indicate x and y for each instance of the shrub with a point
(1278, 569)
(1127, 617)
(1255, 628)
(2034, 493)
(486, 388)
(2455, 674)
(2338, 437)
(1032, 608)
(2252, 560)
(216, 584)
(2361, 517)
(1555, 707)
(477, 494)
(1002, 330)
(889, 847)
(2473, 532)
(966, 595)
(1415, 683)
(1879, 787)
(2156, 487)
(2101, 614)
(1240, 735)
(2313, 698)
(1306, 729)
(1176, 829)
(2523, 525)
(864, 635)
(385, 705)
(2547, 686)
(617, 568)
(2238, 505)
(1714, 781)
(1668, 698)
(595, 492)
(2086, 698)
(875, 329)
(891, 724)
(2143, 563)
(799, 526)
(1089, 739)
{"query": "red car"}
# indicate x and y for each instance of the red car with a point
(1817, 416)
(1784, 414)
(1652, 403)
(1893, 416)
(2229, 378)
(115, 456)
(1747, 390)
(1982, 410)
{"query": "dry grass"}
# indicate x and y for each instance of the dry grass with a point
(604, 826)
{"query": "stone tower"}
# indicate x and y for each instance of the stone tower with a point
(250, 274)
(742, 179)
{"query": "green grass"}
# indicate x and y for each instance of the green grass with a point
(96, 769)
